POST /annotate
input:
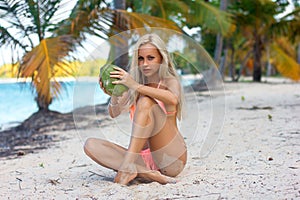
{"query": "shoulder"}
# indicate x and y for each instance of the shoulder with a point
(169, 82)
(172, 84)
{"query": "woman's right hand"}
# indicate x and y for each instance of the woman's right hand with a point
(102, 88)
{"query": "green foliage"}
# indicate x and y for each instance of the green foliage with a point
(184, 63)
(187, 13)
(258, 30)
(209, 42)
(209, 16)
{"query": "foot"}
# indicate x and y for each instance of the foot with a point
(126, 173)
(158, 177)
(124, 177)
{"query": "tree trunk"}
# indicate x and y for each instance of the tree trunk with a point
(298, 53)
(223, 63)
(257, 58)
(232, 65)
(219, 39)
(119, 50)
(243, 65)
(42, 106)
(218, 49)
(42, 101)
(269, 66)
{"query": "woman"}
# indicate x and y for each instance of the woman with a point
(157, 151)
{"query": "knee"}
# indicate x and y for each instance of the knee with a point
(89, 145)
(145, 103)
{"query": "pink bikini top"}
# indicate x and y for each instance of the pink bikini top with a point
(160, 103)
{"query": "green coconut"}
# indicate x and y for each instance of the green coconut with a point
(112, 89)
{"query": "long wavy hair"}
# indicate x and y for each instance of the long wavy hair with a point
(166, 70)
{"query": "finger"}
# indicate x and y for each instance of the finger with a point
(116, 82)
(115, 72)
(116, 76)
(125, 93)
(119, 69)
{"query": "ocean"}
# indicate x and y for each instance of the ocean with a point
(17, 99)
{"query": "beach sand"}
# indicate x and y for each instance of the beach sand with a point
(257, 154)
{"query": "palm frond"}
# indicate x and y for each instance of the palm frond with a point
(14, 14)
(138, 20)
(7, 38)
(285, 64)
(210, 16)
(166, 9)
(286, 46)
(289, 25)
(40, 62)
(161, 6)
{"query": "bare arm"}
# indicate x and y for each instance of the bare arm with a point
(168, 96)
(118, 104)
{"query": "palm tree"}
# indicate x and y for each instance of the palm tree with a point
(257, 22)
(285, 48)
(46, 40)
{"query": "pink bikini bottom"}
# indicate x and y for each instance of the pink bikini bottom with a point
(148, 160)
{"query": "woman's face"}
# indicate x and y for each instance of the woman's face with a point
(149, 60)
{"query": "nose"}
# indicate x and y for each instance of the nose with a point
(145, 62)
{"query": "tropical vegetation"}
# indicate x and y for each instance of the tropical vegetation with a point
(49, 37)
(60, 37)
(257, 43)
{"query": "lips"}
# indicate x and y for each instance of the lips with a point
(146, 70)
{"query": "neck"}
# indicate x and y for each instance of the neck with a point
(153, 79)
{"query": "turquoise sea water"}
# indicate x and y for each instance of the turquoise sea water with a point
(17, 100)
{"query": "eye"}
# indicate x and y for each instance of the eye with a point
(140, 58)
(151, 57)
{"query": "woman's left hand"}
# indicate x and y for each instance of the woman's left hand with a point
(123, 78)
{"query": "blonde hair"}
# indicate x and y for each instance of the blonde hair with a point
(166, 70)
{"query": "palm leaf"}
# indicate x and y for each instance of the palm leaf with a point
(289, 25)
(138, 20)
(161, 6)
(13, 14)
(6, 38)
(210, 16)
(286, 46)
(285, 64)
(40, 62)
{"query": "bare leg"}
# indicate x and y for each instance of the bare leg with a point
(111, 156)
(142, 130)
(149, 125)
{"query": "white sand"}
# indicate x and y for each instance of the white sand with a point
(257, 155)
